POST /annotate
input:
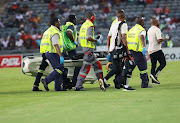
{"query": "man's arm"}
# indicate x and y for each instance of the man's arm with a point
(58, 50)
(143, 40)
(159, 37)
(124, 40)
(161, 40)
(108, 42)
(91, 39)
(70, 33)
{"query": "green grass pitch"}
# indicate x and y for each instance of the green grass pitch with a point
(160, 104)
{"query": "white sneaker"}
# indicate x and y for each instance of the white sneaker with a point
(154, 78)
(101, 83)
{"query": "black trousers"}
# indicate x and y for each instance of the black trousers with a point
(42, 67)
(157, 56)
(117, 70)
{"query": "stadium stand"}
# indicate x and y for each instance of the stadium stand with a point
(23, 21)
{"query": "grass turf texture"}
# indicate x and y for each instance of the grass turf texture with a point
(160, 104)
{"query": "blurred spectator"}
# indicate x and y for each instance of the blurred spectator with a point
(86, 1)
(78, 1)
(52, 15)
(40, 16)
(143, 2)
(28, 13)
(18, 43)
(66, 13)
(103, 19)
(162, 15)
(171, 26)
(28, 40)
(158, 9)
(34, 35)
(2, 23)
(89, 7)
(170, 43)
(76, 7)
(19, 16)
(162, 25)
(95, 6)
(106, 9)
(82, 7)
(11, 44)
(157, 16)
(149, 1)
(1, 39)
(13, 8)
(174, 20)
(22, 26)
(166, 10)
(11, 22)
(64, 4)
(38, 38)
(22, 36)
(5, 43)
(61, 11)
(167, 19)
(24, 8)
(52, 5)
(36, 19)
(34, 26)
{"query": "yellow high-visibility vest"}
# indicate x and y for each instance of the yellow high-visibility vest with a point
(83, 35)
(116, 20)
(133, 38)
(46, 43)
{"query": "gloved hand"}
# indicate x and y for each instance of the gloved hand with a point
(167, 36)
(98, 42)
(75, 42)
(144, 51)
(108, 57)
(61, 60)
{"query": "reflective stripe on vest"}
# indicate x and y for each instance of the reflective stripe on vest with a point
(133, 38)
(46, 43)
(83, 35)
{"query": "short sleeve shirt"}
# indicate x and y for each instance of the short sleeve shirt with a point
(55, 38)
(113, 33)
(154, 34)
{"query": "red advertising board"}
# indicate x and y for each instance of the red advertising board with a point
(10, 61)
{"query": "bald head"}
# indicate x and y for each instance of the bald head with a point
(154, 21)
(121, 15)
(140, 21)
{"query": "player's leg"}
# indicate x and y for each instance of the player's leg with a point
(162, 61)
(154, 57)
(141, 62)
(83, 72)
(41, 70)
(58, 69)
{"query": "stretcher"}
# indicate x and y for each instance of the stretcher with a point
(30, 66)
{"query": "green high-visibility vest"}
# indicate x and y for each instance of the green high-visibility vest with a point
(133, 38)
(83, 35)
(68, 45)
(46, 43)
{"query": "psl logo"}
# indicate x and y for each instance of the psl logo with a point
(10, 62)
